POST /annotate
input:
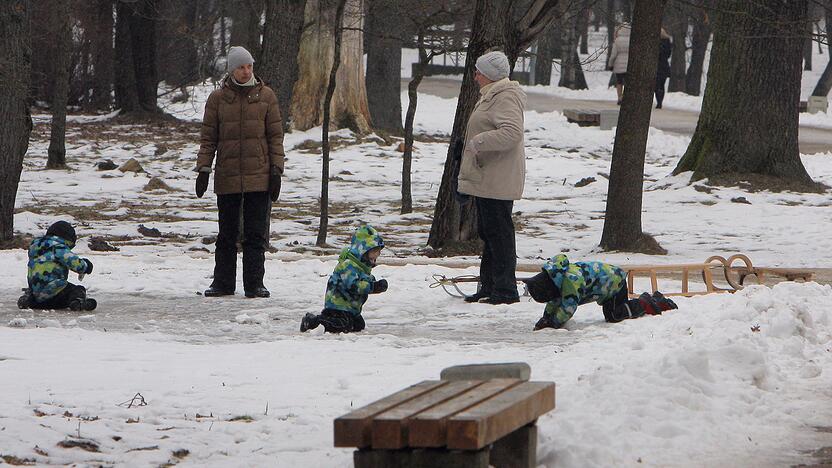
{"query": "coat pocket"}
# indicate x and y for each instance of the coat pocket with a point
(469, 168)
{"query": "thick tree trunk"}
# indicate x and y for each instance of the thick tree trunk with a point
(281, 42)
(349, 104)
(583, 27)
(384, 62)
(127, 97)
(745, 130)
(699, 49)
(622, 223)
(15, 54)
(100, 33)
(245, 23)
(571, 73)
(62, 34)
(545, 54)
(825, 80)
(678, 59)
(337, 32)
(136, 77)
(177, 45)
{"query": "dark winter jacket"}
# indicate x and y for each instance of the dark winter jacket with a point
(242, 126)
(50, 259)
(665, 50)
(351, 281)
(580, 283)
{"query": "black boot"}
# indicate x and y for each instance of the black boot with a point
(258, 292)
(24, 301)
(476, 297)
(217, 292)
(81, 303)
(309, 322)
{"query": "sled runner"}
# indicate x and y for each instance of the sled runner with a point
(735, 270)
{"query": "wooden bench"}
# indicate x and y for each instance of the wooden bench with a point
(583, 117)
(449, 423)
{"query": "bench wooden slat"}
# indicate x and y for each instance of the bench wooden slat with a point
(390, 428)
(427, 429)
(495, 418)
(354, 429)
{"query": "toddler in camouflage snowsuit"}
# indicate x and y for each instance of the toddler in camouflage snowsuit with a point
(349, 285)
(563, 286)
(50, 259)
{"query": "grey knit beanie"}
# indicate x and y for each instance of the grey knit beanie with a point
(238, 56)
(494, 65)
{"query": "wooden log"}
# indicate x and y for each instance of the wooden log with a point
(390, 428)
(497, 417)
(428, 429)
(354, 429)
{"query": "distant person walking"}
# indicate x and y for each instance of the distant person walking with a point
(619, 55)
(242, 127)
(493, 171)
(663, 69)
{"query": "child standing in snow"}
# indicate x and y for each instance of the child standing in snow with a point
(563, 286)
(50, 259)
(349, 285)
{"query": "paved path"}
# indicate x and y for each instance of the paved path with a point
(812, 139)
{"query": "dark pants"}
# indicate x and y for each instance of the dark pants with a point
(621, 307)
(62, 299)
(660, 81)
(256, 209)
(499, 255)
(338, 321)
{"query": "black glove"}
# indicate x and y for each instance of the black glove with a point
(274, 183)
(201, 184)
(380, 286)
(89, 266)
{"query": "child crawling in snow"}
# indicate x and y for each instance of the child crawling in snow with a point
(50, 259)
(349, 285)
(563, 286)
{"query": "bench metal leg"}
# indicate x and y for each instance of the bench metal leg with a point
(421, 458)
(516, 450)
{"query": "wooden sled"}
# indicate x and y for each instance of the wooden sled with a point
(735, 276)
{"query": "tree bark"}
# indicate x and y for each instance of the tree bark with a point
(136, 76)
(571, 73)
(678, 59)
(746, 131)
(546, 44)
(177, 53)
(583, 27)
(15, 54)
(622, 222)
(245, 24)
(825, 80)
(100, 33)
(349, 104)
(281, 43)
(126, 94)
(699, 49)
(384, 65)
(413, 99)
(493, 26)
(62, 34)
(330, 92)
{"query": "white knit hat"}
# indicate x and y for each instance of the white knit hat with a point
(238, 56)
(494, 65)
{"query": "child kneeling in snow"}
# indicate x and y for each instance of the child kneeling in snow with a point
(563, 286)
(349, 285)
(50, 259)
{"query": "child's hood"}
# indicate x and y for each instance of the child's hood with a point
(556, 267)
(44, 244)
(363, 240)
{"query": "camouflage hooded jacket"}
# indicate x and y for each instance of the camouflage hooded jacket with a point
(580, 283)
(50, 259)
(351, 282)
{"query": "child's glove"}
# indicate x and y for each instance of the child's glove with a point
(379, 286)
(274, 183)
(89, 266)
(201, 184)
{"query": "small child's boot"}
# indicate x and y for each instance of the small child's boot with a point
(309, 322)
(544, 322)
(82, 303)
(25, 301)
(663, 302)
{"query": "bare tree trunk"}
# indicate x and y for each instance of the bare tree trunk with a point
(413, 97)
(245, 23)
(281, 43)
(349, 104)
(15, 54)
(384, 65)
(746, 132)
(571, 73)
(699, 49)
(100, 31)
(825, 80)
(330, 92)
(807, 48)
(62, 35)
(583, 26)
(546, 44)
(136, 77)
(127, 97)
(177, 53)
(622, 222)
(678, 59)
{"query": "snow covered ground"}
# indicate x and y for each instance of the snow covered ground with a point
(726, 380)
